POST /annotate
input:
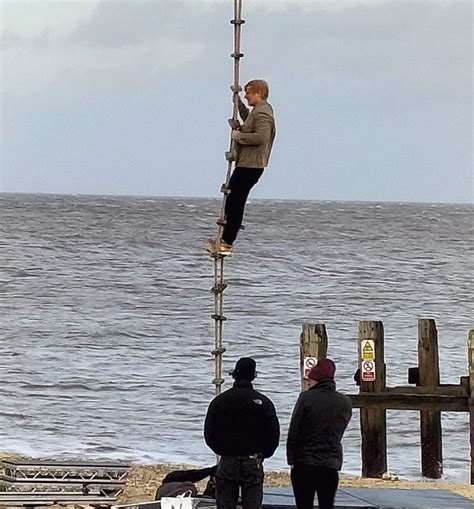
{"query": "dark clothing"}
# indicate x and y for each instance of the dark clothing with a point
(192, 475)
(182, 481)
(319, 420)
(240, 184)
(242, 422)
(175, 488)
(234, 472)
(241, 426)
(308, 481)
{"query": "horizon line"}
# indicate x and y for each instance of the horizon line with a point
(177, 197)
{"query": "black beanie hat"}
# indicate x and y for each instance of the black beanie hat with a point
(244, 369)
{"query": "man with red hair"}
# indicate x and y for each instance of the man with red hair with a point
(253, 141)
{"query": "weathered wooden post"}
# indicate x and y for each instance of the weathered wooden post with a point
(313, 346)
(471, 397)
(430, 420)
(373, 423)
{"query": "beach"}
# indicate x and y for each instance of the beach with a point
(143, 481)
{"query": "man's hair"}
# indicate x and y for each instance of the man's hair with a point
(258, 87)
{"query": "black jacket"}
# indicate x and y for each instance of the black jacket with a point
(181, 481)
(241, 422)
(319, 420)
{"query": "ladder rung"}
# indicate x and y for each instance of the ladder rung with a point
(218, 381)
(236, 88)
(229, 156)
(237, 55)
(221, 222)
(237, 21)
(219, 256)
(219, 318)
(219, 288)
(225, 189)
(217, 351)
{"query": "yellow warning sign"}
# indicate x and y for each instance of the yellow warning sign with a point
(368, 350)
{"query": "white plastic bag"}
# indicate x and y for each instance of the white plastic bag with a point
(184, 501)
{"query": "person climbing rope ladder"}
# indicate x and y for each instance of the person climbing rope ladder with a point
(253, 141)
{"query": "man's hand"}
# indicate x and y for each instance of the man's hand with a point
(235, 135)
(234, 123)
(236, 93)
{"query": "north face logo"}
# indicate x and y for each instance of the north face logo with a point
(258, 401)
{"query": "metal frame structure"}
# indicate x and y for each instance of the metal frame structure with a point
(31, 478)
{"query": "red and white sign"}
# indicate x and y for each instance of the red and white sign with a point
(368, 371)
(308, 363)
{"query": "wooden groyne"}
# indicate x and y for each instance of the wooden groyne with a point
(426, 394)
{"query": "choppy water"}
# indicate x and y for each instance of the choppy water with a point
(106, 333)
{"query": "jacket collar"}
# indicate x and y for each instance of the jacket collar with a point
(328, 385)
(243, 383)
(260, 104)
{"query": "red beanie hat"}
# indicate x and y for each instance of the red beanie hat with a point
(324, 370)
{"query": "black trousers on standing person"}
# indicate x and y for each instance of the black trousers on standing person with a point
(244, 473)
(308, 480)
(240, 184)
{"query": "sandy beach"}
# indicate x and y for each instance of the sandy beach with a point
(144, 480)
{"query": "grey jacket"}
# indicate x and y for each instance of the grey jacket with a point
(255, 140)
(319, 420)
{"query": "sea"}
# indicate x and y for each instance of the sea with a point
(106, 331)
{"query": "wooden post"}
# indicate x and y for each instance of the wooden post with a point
(471, 397)
(430, 421)
(314, 344)
(373, 423)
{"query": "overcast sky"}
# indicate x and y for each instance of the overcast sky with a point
(373, 98)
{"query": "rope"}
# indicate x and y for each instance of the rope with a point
(219, 284)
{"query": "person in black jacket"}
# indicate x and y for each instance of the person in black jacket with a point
(314, 450)
(241, 427)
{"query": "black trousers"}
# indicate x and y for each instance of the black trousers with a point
(234, 473)
(308, 481)
(240, 184)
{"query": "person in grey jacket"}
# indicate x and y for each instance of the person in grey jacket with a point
(314, 450)
(253, 141)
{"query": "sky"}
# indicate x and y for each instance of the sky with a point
(373, 98)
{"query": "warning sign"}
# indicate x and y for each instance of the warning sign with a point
(368, 350)
(368, 366)
(308, 363)
(368, 371)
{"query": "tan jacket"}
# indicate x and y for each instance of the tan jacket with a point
(255, 139)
